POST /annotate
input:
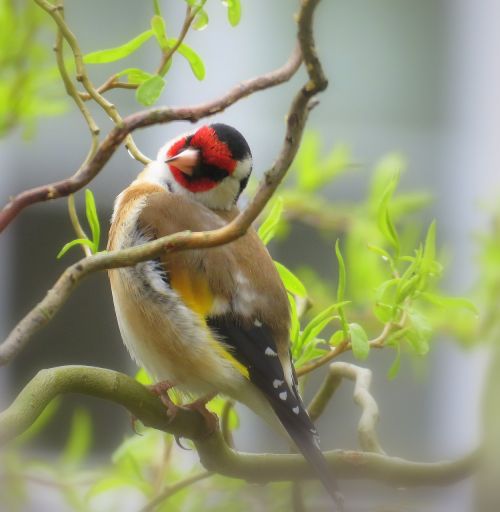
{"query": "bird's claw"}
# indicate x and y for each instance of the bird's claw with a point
(211, 419)
(160, 389)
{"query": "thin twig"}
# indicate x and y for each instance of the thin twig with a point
(73, 93)
(188, 20)
(111, 83)
(80, 233)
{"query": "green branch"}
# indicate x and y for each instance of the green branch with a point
(215, 455)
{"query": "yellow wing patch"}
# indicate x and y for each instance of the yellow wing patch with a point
(196, 294)
(193, 290)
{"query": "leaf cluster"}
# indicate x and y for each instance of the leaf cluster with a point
(150, 85)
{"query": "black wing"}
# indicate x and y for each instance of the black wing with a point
(254, 347)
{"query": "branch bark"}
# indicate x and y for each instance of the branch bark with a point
(215, 455)
(42, 313)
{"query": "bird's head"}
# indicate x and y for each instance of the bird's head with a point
(211, 164)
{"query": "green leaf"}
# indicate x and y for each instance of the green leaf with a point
(384, 219)
(195, 61)
(79, 440)
(337, 338)
(419, 333)
(149, 91)
(396, 365)
(268, 228)
(294, 324)
(319, 319)
(388, 166)
(342, 273)
(429, 254)
(381, 252)
(78, 241)
(92, 219)
(359, 341)
(201, 20)
(383, 312)
(233, 11)
(120, 52)
(292, 283)
(160, 31)
(313, 332)
(311, 351)
(449, 302)
(135, 75)
(341, 287)
(407, 288)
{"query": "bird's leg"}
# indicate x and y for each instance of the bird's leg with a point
(200, 406)
(160, 389)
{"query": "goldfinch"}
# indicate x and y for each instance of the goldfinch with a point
(210, 320)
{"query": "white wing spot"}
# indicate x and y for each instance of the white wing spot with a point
(277, 383)
(257, 323)
(270, 352)
(296, 410)
(283, 395)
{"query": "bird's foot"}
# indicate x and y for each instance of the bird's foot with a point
(160, 389)
(200, 405)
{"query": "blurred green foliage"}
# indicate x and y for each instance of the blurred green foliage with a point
(30, 86)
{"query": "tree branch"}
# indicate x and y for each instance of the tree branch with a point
(367, 436)
(139, 120)
(57, 295)
(215, 455)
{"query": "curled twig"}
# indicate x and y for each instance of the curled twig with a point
(367, 435)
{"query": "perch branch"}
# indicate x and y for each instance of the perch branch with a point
(215, 455)
(367, 436)
(57, 295)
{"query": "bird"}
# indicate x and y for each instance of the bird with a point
(216, 320)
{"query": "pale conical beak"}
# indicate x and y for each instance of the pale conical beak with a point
(185, 161)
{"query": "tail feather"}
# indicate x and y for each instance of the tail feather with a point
(303, 433)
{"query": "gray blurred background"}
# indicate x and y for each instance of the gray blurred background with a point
(421, 77)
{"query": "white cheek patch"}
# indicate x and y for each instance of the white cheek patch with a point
(243, 168)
